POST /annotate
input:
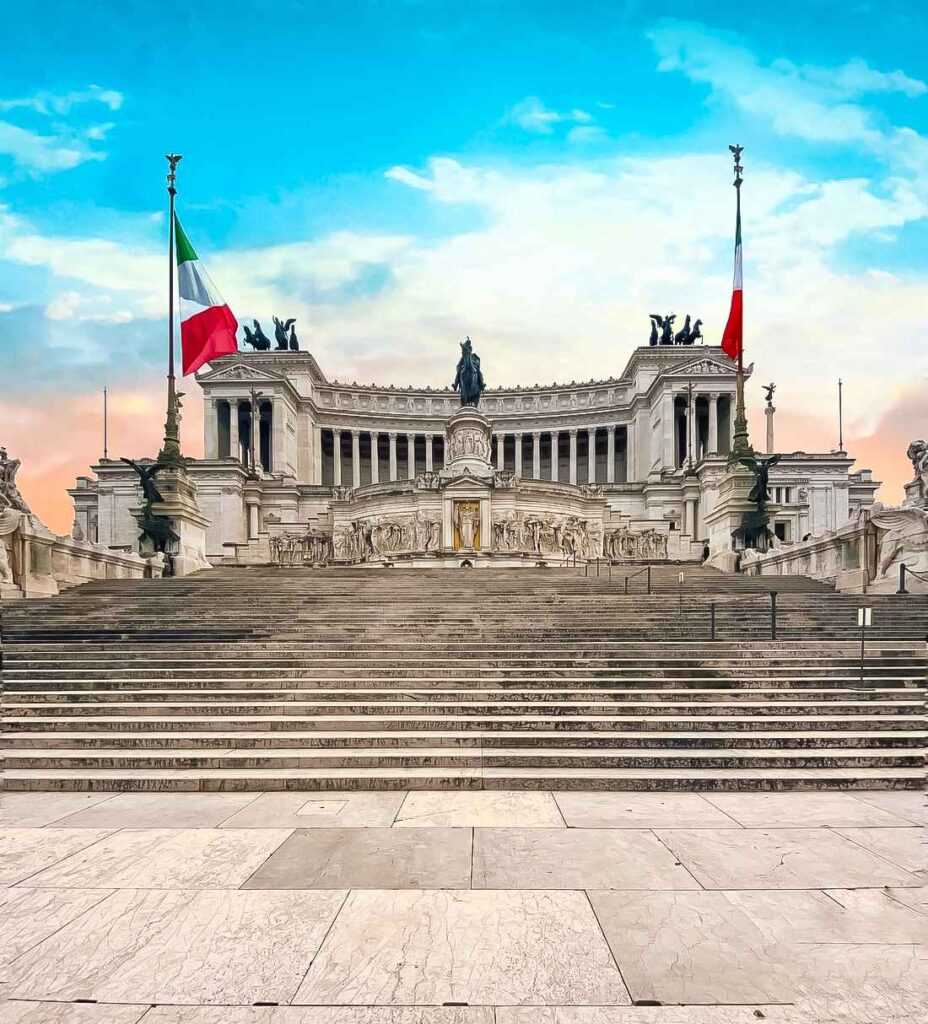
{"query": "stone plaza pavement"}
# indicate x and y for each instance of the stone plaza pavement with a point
(463, 908)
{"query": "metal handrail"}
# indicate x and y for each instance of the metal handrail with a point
(647, 569)
(904, 571)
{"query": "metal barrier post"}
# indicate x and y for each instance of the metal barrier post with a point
(626, 584)
(902, 571)
(712, 621)
(773, 615)
(649, 579)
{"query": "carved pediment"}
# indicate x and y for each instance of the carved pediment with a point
(706, 367)
(466, 480)
(240, 372)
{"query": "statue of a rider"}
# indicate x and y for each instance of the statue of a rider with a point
(469, 378)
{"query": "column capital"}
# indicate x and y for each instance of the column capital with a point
(572, 431)
(337, 431)
(392, 434)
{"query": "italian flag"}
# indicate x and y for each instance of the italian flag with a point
(732, 339)
(207, 326)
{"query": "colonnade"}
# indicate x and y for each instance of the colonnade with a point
(578, 456)
(703, 425)
(228, 431)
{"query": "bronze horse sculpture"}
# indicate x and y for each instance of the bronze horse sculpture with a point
(469, 378)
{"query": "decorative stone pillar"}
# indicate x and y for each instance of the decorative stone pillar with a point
(392, 436)
(375, 457)
(211, 429)
(518, 463)
(278, 431)
(668, 434)
(235, 445)
(500, 451)
(610, 455)
(713, 424)
(317, 453)
(631, 451)
(355, 458)
(690, 408)
(536, 454)
(337, 458)
(573, 456)
(768, 412)
(410, 456)
(591, 455)
(554, 455)
(429, 454)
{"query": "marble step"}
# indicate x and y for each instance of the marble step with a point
(334, 779)
(447, 757)
(576, 739)
(113, 692)
(695, 722)
(220, 707)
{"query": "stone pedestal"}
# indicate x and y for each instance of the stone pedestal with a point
(181, 507)
(730, 512)
(468, 436)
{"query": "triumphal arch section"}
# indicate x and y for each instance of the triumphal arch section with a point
(298, 468)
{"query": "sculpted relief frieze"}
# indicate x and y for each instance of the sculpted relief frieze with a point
(559, 535)
(387, 535)
(624, 545)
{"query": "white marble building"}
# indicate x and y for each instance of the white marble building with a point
(648, 448)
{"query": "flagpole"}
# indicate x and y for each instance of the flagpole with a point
(170, 449)
(741, 443)
(105, 425)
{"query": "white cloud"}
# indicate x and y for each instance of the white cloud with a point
(532, 115)
(803, 101)
(587, 133)
(42, 153)
(74, 306)
(50, 103)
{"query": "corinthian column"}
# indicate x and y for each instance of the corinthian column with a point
(392, 436)
(429, 455)
(591, 455)
(713, 424)
(573, 456)
(375, 458)
(355, 458)
(337, 458)
(610, 455)
(518, 454)
(500, 450)
(536, 454)
(410, 456)
(555, 457)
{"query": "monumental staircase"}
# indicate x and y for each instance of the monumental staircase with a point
(587, 677)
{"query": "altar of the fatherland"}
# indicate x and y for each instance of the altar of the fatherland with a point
(306, 470)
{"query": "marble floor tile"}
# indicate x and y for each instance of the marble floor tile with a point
(802, 810)
(181, 947)
(369, 858)
(160, 810)
(883, 984)
(646, 1015)
(836, 916)
(24, 851)
(906, 803)
(906, 847)
(321, 1015)
(154, 858)
(319, 810)
(27, 916)
(33, 810)
(483, 948)
(575, 858)
(640, 810)
(690, 947)
(810, 858)
(29, 1012)
(499, 808)
(916, 898)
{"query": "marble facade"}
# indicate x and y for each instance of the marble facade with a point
(627, 468)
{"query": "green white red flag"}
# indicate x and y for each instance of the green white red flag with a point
(732, 339)
(207, 326)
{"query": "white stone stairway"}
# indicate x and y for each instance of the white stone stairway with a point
(264, 678)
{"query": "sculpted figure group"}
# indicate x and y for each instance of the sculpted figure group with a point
(563, 536)
(467, 442)
(662, 330)
(260, 342)
(295, 548)
(623, 545)
(370, 538)
(9, 492)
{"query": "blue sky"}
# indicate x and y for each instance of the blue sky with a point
(539, 175)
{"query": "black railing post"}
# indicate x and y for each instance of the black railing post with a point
(712, 621)
(773, 615)
(902, 571)
(649, 579)
(597, 568)
(626, 584)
